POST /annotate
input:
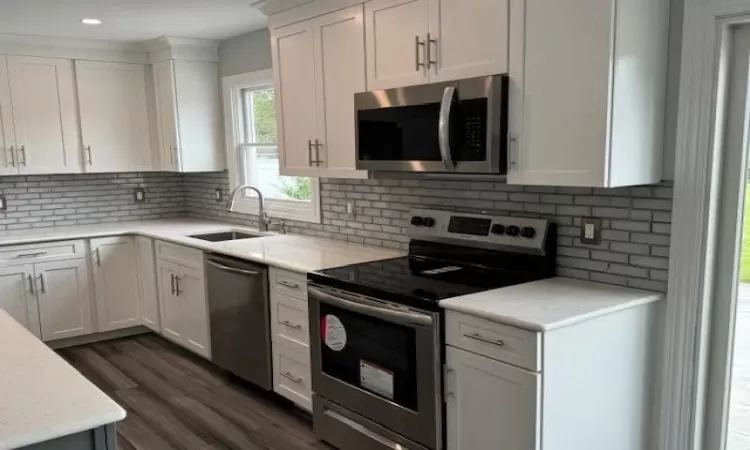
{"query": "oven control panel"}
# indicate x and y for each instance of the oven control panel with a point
(465, 229)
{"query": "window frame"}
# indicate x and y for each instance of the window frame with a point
(232, 93)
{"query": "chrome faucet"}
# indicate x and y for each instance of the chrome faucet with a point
(263, 219)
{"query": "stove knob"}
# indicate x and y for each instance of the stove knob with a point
(417, 221)
(498, 229)
(528, 232)
(513, 231)
(429, 222)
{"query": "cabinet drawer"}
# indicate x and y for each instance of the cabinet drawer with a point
(180, 254)
(289, 320)
(288, 283)
(493, 340)
(291, 374)
(48, 251)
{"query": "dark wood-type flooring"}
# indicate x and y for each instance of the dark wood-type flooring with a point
(176, 400)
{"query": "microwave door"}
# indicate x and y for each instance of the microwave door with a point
(444, 128)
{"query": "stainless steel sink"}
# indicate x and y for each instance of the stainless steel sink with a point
(224, 236)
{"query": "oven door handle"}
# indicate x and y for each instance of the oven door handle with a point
(389, 315)
(444, 128)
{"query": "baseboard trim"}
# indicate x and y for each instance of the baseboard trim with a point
(97, 337)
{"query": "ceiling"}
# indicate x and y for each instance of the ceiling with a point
(130, 20)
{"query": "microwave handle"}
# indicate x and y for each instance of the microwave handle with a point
(444, 128)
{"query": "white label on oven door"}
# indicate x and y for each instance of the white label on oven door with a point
(376, 379)
(334, 333)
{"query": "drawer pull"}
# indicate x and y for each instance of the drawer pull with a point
(288, 284)
(291, 377)
(30, 255)
(480, 338)
(289, 324)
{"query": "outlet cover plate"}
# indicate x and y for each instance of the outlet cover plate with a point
(139, 195)
(591, 231)
(3, 203)
(218, 194)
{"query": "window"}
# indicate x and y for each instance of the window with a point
(253, 155)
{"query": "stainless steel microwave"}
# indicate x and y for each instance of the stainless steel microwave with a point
(453, 127)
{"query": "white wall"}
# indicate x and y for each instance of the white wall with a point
(245, 53)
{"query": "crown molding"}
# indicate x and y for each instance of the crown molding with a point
(165, 48)
(80, 49)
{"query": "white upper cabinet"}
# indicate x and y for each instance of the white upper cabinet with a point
(7, 135)
(467, 39)
(319, 65)
(188, 114)
(116, 283)
(294, 77)
(396, 33)
(587, 91)
(412, 42)
(114, 116)
(17, 296)
(45, 121)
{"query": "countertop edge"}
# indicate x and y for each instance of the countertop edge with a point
(63, 431)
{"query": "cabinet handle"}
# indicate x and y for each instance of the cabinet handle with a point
(31, 284)
(291, 325)
(22, 150)
(98, 257)
(428, 48)
(288, 284)
(317, 146)
(291, 377)
(418, 43)
(88, 155)
(173, 153)
(480, 338)
(30, 255)
(309, 153)
(447, 371)
(42, 287)
(171, 282)
(176, 285)
(512, 144)
(12, 151)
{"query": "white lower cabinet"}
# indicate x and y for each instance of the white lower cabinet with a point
(479, 393)
(64, 298)
(144, 249)
(116, 283)
(183, 306)
(17, 296)
(291, 373)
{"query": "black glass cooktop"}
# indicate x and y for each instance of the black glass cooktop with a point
(421, 281)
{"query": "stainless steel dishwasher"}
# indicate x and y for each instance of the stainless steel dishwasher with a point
(238, 304)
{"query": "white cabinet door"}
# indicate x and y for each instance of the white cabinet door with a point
(17, 296)
(115, 283)
(201, 139)
(44, 115)
(560, 127)
(170, 306)
(339, 74)
(7, 135)
(293, 71)
(64, 298)
(489, 404)
(114, 116)
(144, 248)
(166, 105)
(469, 40)
(191, 292)
(396, 31)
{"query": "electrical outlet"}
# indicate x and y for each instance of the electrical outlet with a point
(591, 231)
(350, 211)
(3, 203)
(139, 195)
(218, 195)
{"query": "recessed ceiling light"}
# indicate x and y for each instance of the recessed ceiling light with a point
(91, 21)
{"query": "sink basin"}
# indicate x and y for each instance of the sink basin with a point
(224, 236)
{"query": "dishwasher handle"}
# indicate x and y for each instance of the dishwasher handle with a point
(232, 269)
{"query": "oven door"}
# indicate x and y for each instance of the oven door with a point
(454, 127)
(378, 360)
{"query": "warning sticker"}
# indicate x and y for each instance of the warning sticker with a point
(333, 332)
(376, 379)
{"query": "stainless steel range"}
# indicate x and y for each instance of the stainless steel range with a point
(376, 328)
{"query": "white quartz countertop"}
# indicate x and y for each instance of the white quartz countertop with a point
(548, 304)
(42, 397)
(292, 252)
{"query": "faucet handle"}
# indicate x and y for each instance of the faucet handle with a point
(282, 226)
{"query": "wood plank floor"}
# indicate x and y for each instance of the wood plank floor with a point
(176, 400)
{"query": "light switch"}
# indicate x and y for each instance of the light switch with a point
(218, 195)
(350, 211)
(3, 203)
(591, 231)
(139, 195)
